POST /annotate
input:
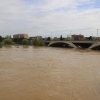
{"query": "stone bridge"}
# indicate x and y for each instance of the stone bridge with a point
(74, 44)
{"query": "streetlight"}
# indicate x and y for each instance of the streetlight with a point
(51, 36)
(70, 35)
(97, 32)
(92, 34)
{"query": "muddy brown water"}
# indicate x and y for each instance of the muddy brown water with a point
(45, 73)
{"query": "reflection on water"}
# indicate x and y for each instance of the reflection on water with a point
(45, 73)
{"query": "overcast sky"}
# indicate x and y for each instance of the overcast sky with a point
(50, 17)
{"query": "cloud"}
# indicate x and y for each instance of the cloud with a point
(45, 17)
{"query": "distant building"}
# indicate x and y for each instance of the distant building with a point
(20, 36)
(35, 37)
(77, 37)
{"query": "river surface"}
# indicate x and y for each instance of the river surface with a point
(46, 73)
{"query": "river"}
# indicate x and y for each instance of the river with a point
(46, 73)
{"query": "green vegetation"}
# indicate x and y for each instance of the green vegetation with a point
(56, 39)
(1, 38)
(0, 45)
(25, 41)
(49, 38)
(18, 40)
(8, 41)
(38, 42)
(61, 38)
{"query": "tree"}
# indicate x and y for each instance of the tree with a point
(1, 38)
(90, 38)
(15, 40)
(8, 36)
(25, 41)
(49, 39)
(0, 45)
(7, 41)
(56, 39)
(38, 42)
(61, 37)
(18, 40)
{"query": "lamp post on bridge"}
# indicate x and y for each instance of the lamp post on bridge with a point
(70, 35)
(97, 33)
(92, 34)
(51, 36)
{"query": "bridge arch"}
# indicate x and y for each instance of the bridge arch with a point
(62, 44)
(75, 44)
(82, 45)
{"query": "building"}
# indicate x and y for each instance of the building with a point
(35, 37)
(20, 36)
(78, 37)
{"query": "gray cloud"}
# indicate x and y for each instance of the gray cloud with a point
(48, 17)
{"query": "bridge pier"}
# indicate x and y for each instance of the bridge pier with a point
(96, 44)
(72, 45)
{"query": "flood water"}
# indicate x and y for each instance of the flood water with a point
(46, 73)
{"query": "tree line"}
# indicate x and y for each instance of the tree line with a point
(22, 41)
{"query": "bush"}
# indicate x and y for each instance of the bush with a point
(37, 42)
(8, 41)
(25, 42)
(0, 45)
